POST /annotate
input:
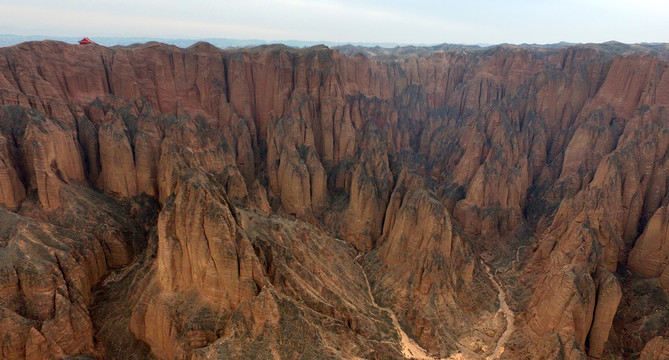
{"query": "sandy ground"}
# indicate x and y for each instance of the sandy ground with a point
(411, 350)
(508, 314)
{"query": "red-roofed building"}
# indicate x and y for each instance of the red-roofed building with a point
(85, 41)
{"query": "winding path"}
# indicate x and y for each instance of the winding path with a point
(508, 314)
(411, 350)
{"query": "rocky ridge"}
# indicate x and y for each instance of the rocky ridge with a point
(239, 198)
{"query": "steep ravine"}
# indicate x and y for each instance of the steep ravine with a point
(259, 160)
(410, 350)
(508, 315)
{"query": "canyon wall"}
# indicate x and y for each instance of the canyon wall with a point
(242, 197)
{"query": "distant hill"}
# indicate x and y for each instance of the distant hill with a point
(10, 39)
(660, 50)
(384, 50)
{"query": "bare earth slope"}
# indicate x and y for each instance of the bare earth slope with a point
(273, 203)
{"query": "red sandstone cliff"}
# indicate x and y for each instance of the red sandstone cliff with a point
(308, 192)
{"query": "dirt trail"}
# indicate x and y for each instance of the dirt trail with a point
(410, 349)
(508, 314)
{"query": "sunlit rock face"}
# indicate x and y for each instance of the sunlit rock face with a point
(289, 203)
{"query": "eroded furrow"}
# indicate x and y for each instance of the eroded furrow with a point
(508, 314)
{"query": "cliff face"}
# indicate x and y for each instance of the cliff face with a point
(349, 198)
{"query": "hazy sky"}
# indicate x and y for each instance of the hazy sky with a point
(392, 21)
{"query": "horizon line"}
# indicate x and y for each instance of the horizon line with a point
(304, 43)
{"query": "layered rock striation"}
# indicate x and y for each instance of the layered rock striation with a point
(253, 196)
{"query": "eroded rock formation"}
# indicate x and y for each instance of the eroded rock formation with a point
(278, 203)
